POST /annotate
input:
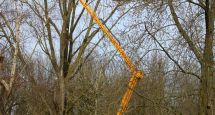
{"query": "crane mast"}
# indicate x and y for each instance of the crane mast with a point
(136, 74)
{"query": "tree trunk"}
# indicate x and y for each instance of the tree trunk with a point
(60, 96)
(206, 104)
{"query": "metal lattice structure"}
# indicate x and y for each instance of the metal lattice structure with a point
(136, 74)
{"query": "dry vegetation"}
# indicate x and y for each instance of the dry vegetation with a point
(54, 60)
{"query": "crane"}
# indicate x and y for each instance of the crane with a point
(136, 74)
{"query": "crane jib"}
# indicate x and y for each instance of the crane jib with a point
(136, 74)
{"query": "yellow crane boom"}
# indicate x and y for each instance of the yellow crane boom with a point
(136, 74)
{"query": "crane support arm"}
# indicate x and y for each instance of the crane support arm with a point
(136, 74)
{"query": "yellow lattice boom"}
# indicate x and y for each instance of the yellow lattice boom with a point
(136, 74)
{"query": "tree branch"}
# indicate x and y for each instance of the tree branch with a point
(198, 4)
(195, 50)
(169, 56)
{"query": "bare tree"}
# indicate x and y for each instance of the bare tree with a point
(206, 102)
(8, 84)
(72, 43)
(187, 34)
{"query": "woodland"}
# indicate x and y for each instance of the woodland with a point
(55, 60)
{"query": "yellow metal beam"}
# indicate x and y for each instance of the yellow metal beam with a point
(136, 74)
